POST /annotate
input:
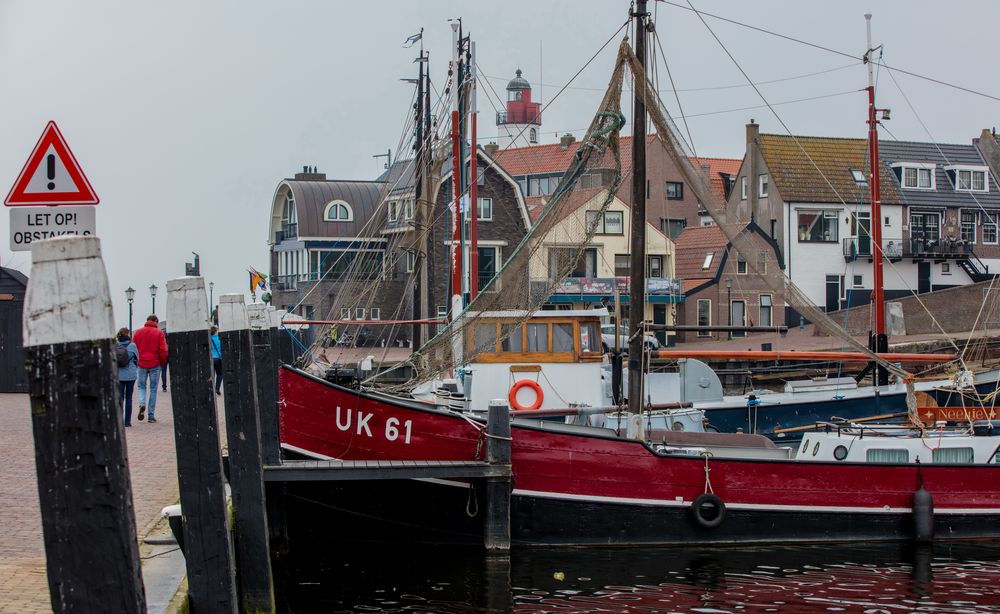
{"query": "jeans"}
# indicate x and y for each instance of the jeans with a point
(125, 395)
(163, 376)
(154, 380)
(217, 363)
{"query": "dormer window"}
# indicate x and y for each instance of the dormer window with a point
(969, 178)
(915, 175)
(393, 211)
(338, 211)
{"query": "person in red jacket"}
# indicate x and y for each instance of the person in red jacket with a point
(152, 345)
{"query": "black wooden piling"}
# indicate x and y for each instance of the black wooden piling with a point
(85, 494)
(208, 555)
(256, 589)
(266, 367)
(496, 531)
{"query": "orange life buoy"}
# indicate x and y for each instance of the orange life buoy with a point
(512, 395)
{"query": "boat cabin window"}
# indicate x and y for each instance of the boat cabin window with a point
(958, 456)
(897, 456)
(538, 340)
(538, 337)
(562, 337)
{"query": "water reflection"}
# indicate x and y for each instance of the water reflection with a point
(871, 579)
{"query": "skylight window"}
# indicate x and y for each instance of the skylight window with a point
(859, 177)
(708, 261)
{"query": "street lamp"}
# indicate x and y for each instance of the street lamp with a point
(729, 301)
(152, 293)
(130, 295)
(211, 288)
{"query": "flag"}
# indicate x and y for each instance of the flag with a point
(257, 280)
(413, 39)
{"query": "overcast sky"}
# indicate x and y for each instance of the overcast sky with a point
(186, 115)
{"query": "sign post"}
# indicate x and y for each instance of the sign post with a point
(51, 177)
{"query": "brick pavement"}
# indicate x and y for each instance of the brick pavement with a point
(23, 584)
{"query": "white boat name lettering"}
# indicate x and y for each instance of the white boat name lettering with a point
(345, 417)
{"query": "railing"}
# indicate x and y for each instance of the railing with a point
(861, 247)
(942, 247)
(606, 286)
(284, 283)
(290, 231)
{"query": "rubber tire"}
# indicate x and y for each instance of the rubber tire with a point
(708, 498)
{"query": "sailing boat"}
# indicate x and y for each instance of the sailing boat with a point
(588, 485)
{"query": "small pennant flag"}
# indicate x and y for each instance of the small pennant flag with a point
(413, 39)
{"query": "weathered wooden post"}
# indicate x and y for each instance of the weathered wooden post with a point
(266, 364)
(496, 533)
(88, 522)
(209, 548)
(245, 469)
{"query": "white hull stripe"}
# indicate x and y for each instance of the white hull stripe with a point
(763, 507)
(304, 452)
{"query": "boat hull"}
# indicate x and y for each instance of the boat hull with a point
(576, 486)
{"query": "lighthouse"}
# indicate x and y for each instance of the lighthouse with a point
(520, 124)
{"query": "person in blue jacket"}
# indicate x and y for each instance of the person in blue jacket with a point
(127, 357)
(217, 358)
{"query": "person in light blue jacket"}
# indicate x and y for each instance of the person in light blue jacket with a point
(127, 357)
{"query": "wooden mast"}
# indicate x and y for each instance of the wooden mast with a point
(879, 341)
(637, 286)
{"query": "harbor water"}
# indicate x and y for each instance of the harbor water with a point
(872, 578)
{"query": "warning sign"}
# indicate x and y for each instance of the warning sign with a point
(51, 176)
(30, 224)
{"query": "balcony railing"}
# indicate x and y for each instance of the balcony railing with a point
(862, 247)
(290, 231)
(606, 286)
(938, 247)
(284, 283)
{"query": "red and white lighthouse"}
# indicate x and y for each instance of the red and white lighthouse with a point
(520, 124)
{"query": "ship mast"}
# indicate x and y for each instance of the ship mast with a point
(879, 340)
(637, 285)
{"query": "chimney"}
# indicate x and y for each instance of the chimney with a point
(753, 130)
(309, 173)
(491, 149)
(566, 140)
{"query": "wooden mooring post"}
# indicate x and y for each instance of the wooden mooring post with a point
(253, 557)
(84, 490)
(208, 546)
(496, 530)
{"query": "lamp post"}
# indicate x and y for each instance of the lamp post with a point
(130, 295)
(729, 302)
(211, 290)
(152, 293)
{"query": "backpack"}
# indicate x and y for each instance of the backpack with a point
(121, 355)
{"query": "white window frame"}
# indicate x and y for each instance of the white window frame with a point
(743, 187)
(409, 261)
(741, 260)
(860, 177)
(975, 224)
(393, 210)
(479, 209)
(533, 135)
(335, 206)
(375, 313)
(965, 168)
(917, 166)
(408, 209)
(946, 268)
(600, 228)
(858, 281)
(345, 313)
(762, 185)
(359, 313)
(996, 231)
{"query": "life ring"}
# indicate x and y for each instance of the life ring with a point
(708, 502)
(512, 395)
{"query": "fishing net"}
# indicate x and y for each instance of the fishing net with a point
(567, 221)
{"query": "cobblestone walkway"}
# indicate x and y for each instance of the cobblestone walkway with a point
(23, 585)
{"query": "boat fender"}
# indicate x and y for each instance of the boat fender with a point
(923, 515)
(708, 510)
(525, 383)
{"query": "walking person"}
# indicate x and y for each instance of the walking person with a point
(216, 358)
(152, 346)
(163, 369)
(127, 357)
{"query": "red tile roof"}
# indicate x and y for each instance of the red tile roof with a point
(553, 158)
(691, 248)
(687, 285)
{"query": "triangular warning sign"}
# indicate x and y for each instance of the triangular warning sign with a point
(51, 176)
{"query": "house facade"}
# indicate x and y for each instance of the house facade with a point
(811, 195)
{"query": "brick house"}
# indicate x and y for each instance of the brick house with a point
(719, 284)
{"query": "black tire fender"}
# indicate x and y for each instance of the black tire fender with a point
(708, 500)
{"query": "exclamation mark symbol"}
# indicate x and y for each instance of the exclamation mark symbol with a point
(50, 163)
